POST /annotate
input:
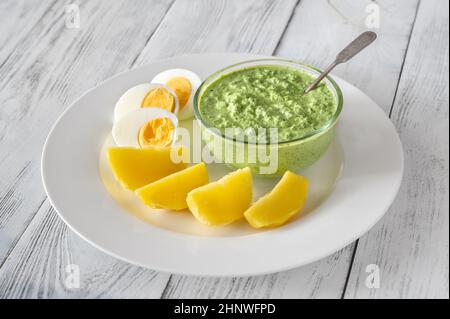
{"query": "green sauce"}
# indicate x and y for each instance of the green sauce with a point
(267, 97)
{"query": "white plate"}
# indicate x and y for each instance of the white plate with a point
(352, 186)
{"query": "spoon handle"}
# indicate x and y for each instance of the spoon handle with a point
(352, 49)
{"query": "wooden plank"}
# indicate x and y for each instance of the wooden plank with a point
(42, 267)
(48, 70)
(18, 267)
(316, 280)
(411, 244)
(376, 70)
(51, 67)
(17, 19)
(220, 26)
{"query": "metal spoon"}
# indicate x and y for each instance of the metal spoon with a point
(356, 46)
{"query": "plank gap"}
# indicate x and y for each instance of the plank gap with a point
(350, 267)
(404, 58)
(166, 288)
(286, 27)
(151, 35)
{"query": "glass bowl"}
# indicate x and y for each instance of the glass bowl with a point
(268, 158)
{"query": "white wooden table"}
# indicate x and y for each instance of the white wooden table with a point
(46, 61)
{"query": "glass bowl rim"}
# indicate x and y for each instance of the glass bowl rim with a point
(324, 128)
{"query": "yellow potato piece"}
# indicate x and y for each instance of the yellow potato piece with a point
(224, 201)
(285, 200)
(134, 167)
(170, 192)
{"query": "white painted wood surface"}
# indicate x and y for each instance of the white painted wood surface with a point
(44, 66)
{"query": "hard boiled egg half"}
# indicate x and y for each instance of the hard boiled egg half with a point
(145, 127)
(147, 95)
(184, 83)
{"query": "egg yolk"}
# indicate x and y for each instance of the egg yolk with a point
(161, 98)
(157, 132)
(182, 88)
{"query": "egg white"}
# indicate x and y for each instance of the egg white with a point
(132, 99)
(126, 129)
(188, 110)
